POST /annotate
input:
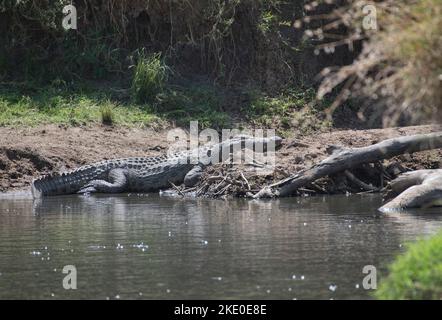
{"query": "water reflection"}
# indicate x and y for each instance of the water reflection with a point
(146, 246)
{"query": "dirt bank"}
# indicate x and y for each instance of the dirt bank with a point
(26, 153)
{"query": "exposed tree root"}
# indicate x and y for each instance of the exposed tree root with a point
(416, 189)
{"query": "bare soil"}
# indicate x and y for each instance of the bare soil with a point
(26, 153)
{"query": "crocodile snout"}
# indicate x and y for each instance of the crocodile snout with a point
(278, 141)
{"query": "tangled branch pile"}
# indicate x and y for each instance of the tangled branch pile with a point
(238, 180)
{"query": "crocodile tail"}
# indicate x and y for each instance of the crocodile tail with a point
(49, 185)
(36, 192)
(61, 184)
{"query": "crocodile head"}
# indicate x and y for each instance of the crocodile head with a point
(276, 140)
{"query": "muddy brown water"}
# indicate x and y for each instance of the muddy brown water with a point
(152, 247)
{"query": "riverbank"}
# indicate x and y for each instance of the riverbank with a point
(28, 152)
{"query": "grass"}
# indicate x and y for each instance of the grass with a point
(150, 77)
(195, 102)
(417, 274)
(107, 114)
(293, 109)
(31, 105)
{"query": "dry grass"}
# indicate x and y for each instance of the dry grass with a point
(400, 64)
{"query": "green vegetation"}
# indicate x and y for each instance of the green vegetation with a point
(292, 109)
(231, 44)
(204, 35)
(107, 114)
(213, 50)
(149, 78)
(199, 102)
(417, 274)
(36, 105)
(30, 105)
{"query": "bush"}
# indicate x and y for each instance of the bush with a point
(417, 274)
(399, 67)
(149, 79)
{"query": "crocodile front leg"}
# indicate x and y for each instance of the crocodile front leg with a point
(117, 183)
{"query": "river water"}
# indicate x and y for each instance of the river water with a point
(152, 247)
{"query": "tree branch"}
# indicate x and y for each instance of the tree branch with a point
(344, 159)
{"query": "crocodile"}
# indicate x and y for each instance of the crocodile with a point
(143, 174)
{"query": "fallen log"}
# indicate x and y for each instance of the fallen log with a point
(405, 181)
(416, 189)
(344, 159)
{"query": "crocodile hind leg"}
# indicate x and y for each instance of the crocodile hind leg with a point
(194, 176)
(117, 183)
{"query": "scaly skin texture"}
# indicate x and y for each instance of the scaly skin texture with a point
(137, 174)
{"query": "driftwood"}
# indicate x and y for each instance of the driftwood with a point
(415, 189)
(343, 159)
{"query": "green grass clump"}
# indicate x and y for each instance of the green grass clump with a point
(417, 274)
(149, 79)
(107, 114)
